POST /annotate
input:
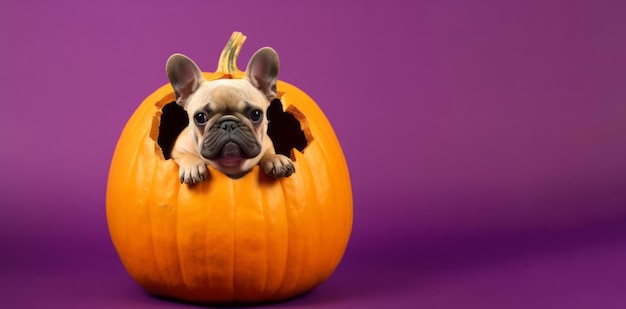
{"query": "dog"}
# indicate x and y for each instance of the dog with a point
(227, 120)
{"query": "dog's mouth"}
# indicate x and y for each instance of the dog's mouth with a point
(231, 155)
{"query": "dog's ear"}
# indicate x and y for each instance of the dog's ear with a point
(262, 71)
(184, 75)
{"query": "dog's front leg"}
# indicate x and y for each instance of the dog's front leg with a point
(192, 168)
(276, 165)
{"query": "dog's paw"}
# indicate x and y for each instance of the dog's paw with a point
(277, 166)
(193, 174)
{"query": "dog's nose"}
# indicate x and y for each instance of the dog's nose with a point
(228, 125)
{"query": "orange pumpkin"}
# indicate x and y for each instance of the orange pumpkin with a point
(253, 239)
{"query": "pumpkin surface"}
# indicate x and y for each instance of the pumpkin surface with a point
(253, 239)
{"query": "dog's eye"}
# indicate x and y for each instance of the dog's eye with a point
(201, 119)
(256, 115)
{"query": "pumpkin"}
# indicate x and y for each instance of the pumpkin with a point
(254, 239)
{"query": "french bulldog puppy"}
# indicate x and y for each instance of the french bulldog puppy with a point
(227, 120)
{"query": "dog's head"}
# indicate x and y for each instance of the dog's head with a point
(227, 117)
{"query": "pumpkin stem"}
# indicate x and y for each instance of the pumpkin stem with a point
(228, 59)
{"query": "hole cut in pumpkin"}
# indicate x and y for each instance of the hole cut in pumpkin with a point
(288, 129)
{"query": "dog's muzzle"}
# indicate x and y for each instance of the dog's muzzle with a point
(230, 138)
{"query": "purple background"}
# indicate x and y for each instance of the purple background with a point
(486, 142)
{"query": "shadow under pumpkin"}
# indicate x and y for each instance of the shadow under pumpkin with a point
(285, 128)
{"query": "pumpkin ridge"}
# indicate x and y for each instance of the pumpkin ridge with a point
(153, 245)
(209, 251)
(301, 253)
(176, 197)
(265, 240)
(234, 273)
(207, 269)
(312, 191)
(320, 242)
(129, 176)
(265, 244)
(272, 206)
(177, 245)
(288, 242)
